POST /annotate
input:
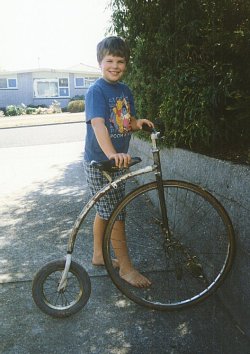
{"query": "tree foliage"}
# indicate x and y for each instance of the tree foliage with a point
(190, 67)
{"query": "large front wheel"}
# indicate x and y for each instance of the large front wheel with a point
(185, 264)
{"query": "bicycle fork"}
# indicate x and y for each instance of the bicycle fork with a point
(63, 282)
(160, 188)
(171, 245)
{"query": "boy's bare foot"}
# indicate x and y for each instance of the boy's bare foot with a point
(136, 279)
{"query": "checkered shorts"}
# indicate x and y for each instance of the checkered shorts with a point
(96, 181)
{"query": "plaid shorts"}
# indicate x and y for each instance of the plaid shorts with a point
(96, 181)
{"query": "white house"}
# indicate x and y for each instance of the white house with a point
(44, 85)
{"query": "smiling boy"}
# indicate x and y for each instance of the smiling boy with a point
(110, 117)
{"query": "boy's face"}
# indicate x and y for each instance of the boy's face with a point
(112, 68)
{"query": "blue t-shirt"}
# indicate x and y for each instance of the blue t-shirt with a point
(115, 104)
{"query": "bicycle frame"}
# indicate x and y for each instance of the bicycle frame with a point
(113, 184)
(182, 238)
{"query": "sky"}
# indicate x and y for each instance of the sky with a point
(51, 33)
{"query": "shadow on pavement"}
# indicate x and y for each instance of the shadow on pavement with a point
(35, 228)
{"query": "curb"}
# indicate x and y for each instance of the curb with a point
(46, 119)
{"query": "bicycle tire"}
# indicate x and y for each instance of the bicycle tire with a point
(64, 303)
(199, 257)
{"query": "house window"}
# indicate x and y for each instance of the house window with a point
(63, 92)
(51, 87)
(83, 82)
(63, 82)
(89, 81)
(8, 83)
(79, 82)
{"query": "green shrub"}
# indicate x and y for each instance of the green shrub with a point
(76, 106)
(13, 110)
(190, 68)
(37, 106)
(30, 110)
(77, 98)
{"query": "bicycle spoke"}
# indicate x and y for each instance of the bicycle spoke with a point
(183, 266)
(63, 298)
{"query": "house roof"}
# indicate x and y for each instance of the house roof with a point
(78, 68)
(84, 68)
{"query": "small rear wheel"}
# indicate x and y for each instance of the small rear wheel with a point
(65, 302)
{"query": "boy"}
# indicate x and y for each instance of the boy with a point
(110, 117)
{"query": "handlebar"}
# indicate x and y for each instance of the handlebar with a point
(149, 129)
(154, 133)
(109, 165)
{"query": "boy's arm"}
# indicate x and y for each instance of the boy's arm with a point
(136, 124)
(103, 138)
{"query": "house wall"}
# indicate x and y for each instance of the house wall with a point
(63, 101)
(24, 92)
(75, 91)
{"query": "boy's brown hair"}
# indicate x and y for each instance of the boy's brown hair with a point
(115, 46)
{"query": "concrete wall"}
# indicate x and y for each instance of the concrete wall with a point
(230, 184)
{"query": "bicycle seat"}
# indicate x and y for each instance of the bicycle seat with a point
(109, 165)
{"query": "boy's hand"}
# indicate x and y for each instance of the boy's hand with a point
(121, 160)
(139, 123)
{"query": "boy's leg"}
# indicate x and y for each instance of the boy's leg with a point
(127, 270)
(98, 232)
(118, 238)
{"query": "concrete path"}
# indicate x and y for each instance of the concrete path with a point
(42, 190)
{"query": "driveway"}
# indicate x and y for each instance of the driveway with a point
(42, 190)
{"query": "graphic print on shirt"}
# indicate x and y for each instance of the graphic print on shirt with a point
(120, 118)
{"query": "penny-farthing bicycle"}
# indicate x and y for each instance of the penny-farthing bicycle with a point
(178, 235)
